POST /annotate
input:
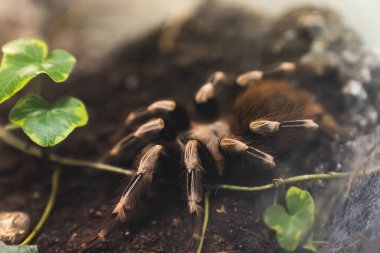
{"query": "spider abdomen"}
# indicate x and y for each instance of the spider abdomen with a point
(268, 105)
(272, 100)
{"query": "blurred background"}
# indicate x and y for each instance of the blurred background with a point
(93, 27)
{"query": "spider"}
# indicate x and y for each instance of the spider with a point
(264, 111)
(249, 115)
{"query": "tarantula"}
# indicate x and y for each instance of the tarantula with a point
(264, 111)
(250, 115)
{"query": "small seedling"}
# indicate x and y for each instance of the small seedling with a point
(294, 222)
(45, 124)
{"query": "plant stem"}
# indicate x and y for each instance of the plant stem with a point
(329, 175)
(16, 143)
(48, 208)
(94, 165)
(205, 220)
(11, 127)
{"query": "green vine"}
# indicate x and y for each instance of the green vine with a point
(277, 182)
(205, 220)
(7, 137)
(48, 208)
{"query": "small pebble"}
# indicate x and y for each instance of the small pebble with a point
(36, 195)
(218, 238)
(222, 209)
(14, 226)
(73, 237)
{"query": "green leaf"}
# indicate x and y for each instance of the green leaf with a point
(26, 58)
(18, 249)
(293, 224)
(48, 125)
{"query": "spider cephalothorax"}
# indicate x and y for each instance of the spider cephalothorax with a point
(263, 112)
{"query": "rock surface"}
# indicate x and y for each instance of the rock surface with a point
(13, 226)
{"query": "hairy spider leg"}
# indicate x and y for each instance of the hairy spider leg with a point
(208, 97)
(194, 189)
(212, 86)
(256, 76)
(141, 115)
(139, 184)
(156, 109)
(266, 127)
(203, 161)
(145, 133)
(172, 115)
(233, 146)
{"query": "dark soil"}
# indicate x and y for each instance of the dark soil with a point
(215, 38)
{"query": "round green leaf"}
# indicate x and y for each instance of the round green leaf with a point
(293, 224)
(48, 125)
(26, 58)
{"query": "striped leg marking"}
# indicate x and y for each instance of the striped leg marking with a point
(143, 133)
(237, 147)
(194, 189)
(267, 127)
(255, 76)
